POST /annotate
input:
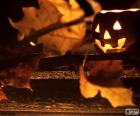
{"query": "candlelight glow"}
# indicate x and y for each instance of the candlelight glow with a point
(32, 43)
(87, 89)
(118, 11)
(134, 10)
(117, 26)
(107, 35)
(121, 42)
(103, 48)
(97, 29)
(106, 47)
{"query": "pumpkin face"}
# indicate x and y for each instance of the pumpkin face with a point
(116, 30)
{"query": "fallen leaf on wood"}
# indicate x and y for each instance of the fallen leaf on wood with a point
(116, 95)
(2, 95)
(56, 43)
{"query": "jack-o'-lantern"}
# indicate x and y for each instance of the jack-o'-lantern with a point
(113, 31)
(116, 30)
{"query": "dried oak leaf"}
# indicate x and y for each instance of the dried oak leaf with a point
(14, 69)
(96, 7)
(107, 81)
(19, 75)
(2, 95)
(59, 41)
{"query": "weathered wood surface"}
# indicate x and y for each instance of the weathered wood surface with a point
(56, 97)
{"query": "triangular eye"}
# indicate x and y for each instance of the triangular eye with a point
(117, 26)
(97, 29)
(121, 42)
(107, 35)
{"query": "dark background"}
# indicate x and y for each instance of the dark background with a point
(119, 4)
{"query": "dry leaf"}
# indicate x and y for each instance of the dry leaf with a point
(117, 96)
(70, 10)
(2, 95)
(59, 41)
(56, 43)
(96, 7)
(36, 18)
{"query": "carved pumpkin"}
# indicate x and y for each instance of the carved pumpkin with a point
(116, 30)
(113, 31)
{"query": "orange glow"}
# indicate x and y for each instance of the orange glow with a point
(98, 43)
(117, 96)
(97, 29)
(2, 95)
(103, 48)
(118, 11)
(32, 43)
(87, 89)
(121, 42)
(134, 10)
(107, 35)
(117, 26)
(106, 47)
